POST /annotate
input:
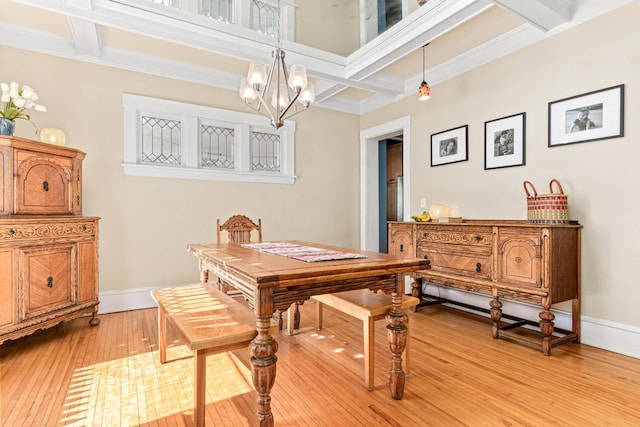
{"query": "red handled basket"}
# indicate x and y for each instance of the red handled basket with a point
(547, 208)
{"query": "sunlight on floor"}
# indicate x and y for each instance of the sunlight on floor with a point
(138, 389)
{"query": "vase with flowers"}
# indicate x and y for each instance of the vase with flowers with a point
(16, 101)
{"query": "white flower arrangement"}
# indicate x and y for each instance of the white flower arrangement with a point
(17, 100)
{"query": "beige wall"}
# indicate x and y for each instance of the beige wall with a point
(148, 222)
(600, 177)
(332, 25)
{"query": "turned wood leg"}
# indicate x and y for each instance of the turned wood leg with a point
(405, 355)
(263, 351)
(204, 272)
(296, 316)
(278, 318)
(496, 314)
(416, 291)
(397, 336)
(546, 328)
(95, 321)
(200, 386)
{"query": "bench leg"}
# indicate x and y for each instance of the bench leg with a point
(162, 335)
(319, 307)
(291, 315)
(200, 386)
(369, 352)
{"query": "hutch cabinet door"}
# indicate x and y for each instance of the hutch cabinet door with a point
(46, 284)
(43, 185)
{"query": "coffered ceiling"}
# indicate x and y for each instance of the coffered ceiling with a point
(462, 35)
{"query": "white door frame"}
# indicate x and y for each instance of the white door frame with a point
(369, 200)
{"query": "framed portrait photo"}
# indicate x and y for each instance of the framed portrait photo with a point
(449, 146)
(587, 117)
(504, 142)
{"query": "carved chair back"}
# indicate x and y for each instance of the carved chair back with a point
(239, 228)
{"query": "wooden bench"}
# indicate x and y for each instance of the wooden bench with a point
(210, 322)
(367, 306)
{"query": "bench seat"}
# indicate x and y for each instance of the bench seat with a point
(209, 322)
(367, 306)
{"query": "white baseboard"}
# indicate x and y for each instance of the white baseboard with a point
(604, 334)
(127, 299)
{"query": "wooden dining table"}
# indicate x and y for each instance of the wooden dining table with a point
(275, 280)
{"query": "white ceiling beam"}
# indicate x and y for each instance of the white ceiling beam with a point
(87, 36)
(543, 14)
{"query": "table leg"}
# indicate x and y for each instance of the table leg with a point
(263, 350)
(204, 272)
(397, 336)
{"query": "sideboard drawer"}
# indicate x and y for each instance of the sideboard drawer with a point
(449, 235)
(463, 263)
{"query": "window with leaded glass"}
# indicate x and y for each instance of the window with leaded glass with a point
(264, 18)
(161, 141)
(265, 152)
(216, 147)
(170, 139)
(222, 10)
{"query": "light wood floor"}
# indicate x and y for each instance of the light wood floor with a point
(109, 375)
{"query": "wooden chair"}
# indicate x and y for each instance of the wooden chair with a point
(239, 229)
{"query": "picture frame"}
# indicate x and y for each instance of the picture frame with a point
(450, 146)
(587, 117)
(504, 142)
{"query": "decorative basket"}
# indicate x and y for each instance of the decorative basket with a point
(547, 208)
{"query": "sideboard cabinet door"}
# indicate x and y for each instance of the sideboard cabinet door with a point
(401, 240)
(520, 258)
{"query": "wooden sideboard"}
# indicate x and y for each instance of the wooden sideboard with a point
(534, 263)
(48, 252)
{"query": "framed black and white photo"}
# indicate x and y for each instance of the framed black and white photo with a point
(449, 146)
(504, 142)
(587, 117)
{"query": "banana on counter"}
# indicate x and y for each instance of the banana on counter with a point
(424, 217)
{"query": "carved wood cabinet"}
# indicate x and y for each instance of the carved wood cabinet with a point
(48, 252)
(534, 263)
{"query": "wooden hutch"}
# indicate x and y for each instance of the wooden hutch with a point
(534, 263)
(48, 250)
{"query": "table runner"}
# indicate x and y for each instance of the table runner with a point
(301, 253)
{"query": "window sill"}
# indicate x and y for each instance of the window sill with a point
(191, 173)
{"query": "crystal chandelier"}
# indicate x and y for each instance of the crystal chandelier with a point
(290, 92)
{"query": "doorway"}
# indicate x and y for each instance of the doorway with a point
(370, 180)
(390, 177)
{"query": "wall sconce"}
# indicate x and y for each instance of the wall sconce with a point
(424, 91)
(52, 136)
